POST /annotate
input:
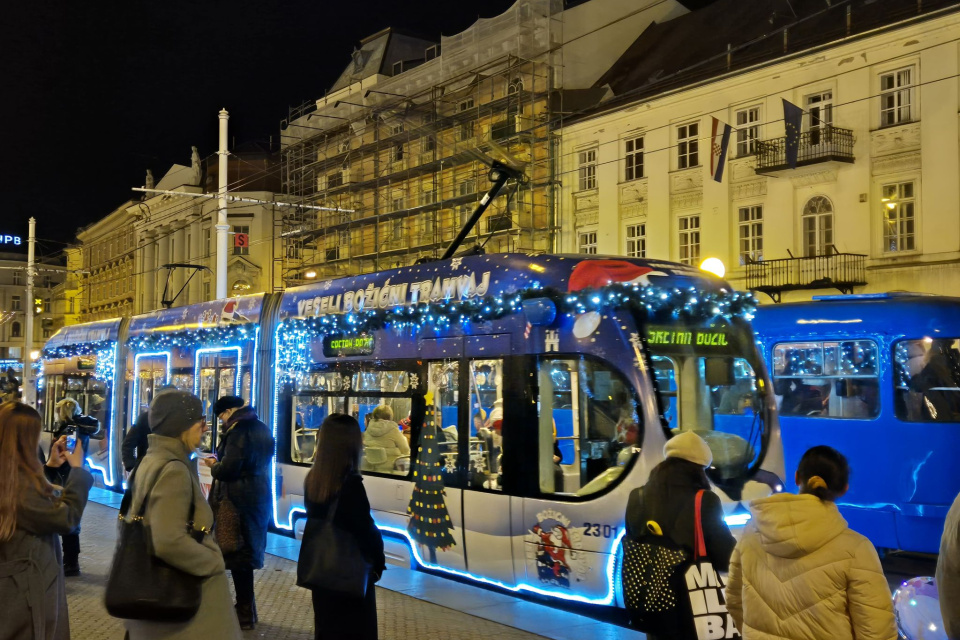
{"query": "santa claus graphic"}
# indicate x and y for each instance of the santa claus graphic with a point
(595, 274)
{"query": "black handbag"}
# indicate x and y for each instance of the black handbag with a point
(330, 558)
(140, 585)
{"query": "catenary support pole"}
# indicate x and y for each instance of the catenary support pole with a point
(29, 382)
(222, 226)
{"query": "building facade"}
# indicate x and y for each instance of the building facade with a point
(398, 150)
(67, 296)
(180, 230)
(14, 305)
(873, 202)
(108, 265)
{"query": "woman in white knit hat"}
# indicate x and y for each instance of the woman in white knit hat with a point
(668, 499)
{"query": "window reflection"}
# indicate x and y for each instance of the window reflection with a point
(927, 380)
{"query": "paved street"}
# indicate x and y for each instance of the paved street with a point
(285, 609)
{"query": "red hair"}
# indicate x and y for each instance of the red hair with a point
(19, 463)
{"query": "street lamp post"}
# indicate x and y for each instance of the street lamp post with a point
(29, 383)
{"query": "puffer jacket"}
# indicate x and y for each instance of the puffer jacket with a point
(800, 573)
(948, 572)
(384, 434)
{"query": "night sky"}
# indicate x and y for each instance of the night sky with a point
(96, 93)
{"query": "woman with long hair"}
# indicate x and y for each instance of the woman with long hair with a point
(33, 513)
(800, 572)
(334, 481)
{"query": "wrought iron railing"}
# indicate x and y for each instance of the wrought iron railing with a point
(841, 271)
(817, 145)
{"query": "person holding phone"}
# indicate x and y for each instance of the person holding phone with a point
(32, 513)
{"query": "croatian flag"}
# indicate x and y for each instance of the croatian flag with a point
(718, 148)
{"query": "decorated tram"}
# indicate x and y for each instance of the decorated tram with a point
(530, 393)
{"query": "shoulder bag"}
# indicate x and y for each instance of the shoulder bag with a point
(140, 585)
(330, 558)
(227, 528)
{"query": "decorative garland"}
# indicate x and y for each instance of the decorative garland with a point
(79, 349)
(105, 368)
(222, 334)
(657, 303)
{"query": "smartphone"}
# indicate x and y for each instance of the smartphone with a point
(71, 441)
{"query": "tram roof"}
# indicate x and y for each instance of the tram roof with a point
(899, 313)
(508, 273)
(97, 331)
(239, 310)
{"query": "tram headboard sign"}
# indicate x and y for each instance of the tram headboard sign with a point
(349, 345)
(685, 338)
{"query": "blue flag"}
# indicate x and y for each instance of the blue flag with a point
(792, 120)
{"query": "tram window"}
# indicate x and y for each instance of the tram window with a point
(385, 448)
(589, 426)
(443, 397)
(183, 381)
(322, 381)
(665, 376)
(486, 423)
(836, 379)
(381, 381)
(217, 377)
(310, 412)
(927, 380)
(245, 387)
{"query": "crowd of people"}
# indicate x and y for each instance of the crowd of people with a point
(798, 571)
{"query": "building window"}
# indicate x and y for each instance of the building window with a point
(397, 230)
(896, 97)
(465, 105)
(688, 145)
(241, 244)
(396, 153)
(637, 240)
(17, 279)
(750, 233)
(465, 130)
(690, 239)
(588, 169)
(899, 222)
(15, 330)
(398, 204)
(427, 144)
(748, 131)
(47, 333)
(466, 187)
(206, 244)
(588, 242)
(396, 129)
(15, 304)
(817, 226)
(515, 86)
(334, 179)
(633, 152)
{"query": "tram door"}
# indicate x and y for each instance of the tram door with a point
(151, 373)
(217, 376)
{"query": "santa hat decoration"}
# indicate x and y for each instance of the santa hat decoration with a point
(595, 274)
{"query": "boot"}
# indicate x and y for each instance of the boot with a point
(71, 567)
(71, 554)
(246, 616)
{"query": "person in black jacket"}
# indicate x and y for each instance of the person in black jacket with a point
(669, 497)
(135, 442)
(241, 474)
(335, 479)
(71, 420)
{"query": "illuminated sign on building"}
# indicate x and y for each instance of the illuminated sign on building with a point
(5, 239)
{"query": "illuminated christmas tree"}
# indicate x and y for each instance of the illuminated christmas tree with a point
(429, 521)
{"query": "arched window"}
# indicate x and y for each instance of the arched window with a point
(15, 330)
(817, 223)
(515, 86)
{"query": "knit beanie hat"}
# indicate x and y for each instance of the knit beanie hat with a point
(174, 412)
(689, 446)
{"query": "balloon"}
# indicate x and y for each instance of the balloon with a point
(916, 607)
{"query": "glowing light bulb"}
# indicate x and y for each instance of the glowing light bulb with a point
(714, 266)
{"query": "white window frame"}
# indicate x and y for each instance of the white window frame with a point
(688, 239)
(587, 242)
(897, 100)
(750, 233)
(903, 208)
(748, 130)
(587, 169)
(688, 145)
(633, 149)
(635, 236)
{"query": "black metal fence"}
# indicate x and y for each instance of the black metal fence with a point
(838, 270)
(826, 142)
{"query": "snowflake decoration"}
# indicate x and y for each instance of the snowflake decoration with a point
(345, 383)
(455, 263)
(414, 381)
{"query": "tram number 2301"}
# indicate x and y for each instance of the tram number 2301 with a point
(599, 530)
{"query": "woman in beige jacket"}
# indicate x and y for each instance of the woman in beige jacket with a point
(800, 573)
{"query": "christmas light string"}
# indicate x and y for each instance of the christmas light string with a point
(203, 336)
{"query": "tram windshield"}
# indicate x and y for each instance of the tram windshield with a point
(709, 382)
(927, 380)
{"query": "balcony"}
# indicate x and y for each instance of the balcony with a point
(841, 271)
(823, 145)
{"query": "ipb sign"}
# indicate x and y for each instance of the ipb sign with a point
(14, 240)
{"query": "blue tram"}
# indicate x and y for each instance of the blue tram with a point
(877, 376)
(524, 396)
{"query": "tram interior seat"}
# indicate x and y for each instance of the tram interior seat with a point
(402, 464)
(373, 458)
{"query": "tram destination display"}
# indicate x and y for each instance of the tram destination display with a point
(349, 345)
(675, 339)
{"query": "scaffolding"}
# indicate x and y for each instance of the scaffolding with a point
(403, 156)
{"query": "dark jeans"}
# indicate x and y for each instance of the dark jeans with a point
(243, 585)
(71, 547)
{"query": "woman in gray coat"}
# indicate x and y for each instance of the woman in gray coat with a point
(33, 513)
(167, 478)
